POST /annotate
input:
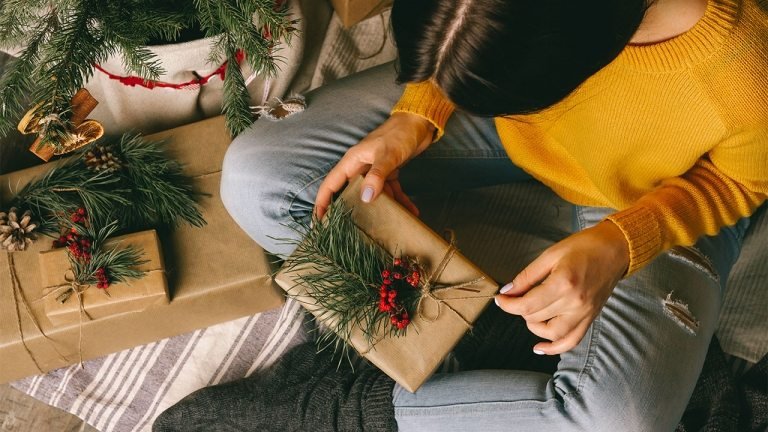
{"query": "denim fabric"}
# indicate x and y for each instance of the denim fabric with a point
(633, 371)
(272, 171)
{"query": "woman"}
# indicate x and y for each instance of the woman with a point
(651, 119)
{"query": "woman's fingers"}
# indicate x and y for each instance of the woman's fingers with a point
(535, 301)
(565, 333)
(532, 275)
(401, 137)
(334, 182)
(400, 196)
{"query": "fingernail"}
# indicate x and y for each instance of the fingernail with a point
(367, 194)
(496, 300)
(538, 352)
(506, 288)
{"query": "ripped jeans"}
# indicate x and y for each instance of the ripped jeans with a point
(636, 367)
(634, 370)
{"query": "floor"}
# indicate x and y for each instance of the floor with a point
(19, 412)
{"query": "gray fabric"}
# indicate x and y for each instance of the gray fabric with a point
(304, 391)
(125, 391)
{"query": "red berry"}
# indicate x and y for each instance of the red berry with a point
(387, 281)
(81, 211)
(397, 261)
(385, 274)
(397, 275)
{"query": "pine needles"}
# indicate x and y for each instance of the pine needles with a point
(340, 268)
(146, 190)
(121, 262)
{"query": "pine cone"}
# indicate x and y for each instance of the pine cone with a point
(100, 158)
(15, 234)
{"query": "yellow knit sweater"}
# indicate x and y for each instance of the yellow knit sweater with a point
(674, 135)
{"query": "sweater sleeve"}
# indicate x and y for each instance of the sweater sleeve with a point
(426, 100)
(728, 183)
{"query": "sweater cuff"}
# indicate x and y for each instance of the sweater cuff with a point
(426, 100)
(643, 234)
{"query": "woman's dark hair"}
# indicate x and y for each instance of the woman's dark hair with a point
(505, 57)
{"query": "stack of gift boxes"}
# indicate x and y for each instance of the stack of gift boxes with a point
(194, 277)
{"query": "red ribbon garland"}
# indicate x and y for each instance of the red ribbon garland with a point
(133, 81)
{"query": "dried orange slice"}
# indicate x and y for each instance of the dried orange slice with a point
(30, 123)
(85, 133)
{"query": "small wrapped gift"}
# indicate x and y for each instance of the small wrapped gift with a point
(353, 11)
(440, 292)
(63, 306)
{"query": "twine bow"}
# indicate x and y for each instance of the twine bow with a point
(429, 287)
(85, 130)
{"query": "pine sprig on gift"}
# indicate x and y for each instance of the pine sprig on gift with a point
(146, 188)
(65, 188)
(345, 284)
(159, 191)
(112, 263)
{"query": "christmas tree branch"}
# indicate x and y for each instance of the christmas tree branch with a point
(160, 192)
(64, 39)
(65, 188)
(340, 269)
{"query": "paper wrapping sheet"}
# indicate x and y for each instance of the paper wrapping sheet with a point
(410, 360)
(131, 296)
(215, 274)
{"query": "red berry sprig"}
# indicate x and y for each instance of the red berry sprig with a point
(79, 216)
(78, 245)
(402, 275)
(102, 278)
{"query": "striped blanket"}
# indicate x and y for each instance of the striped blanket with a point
(125, 391)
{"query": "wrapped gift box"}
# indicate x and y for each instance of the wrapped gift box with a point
(352, 12)
(412, 358)
(215, 274)
(131, 296)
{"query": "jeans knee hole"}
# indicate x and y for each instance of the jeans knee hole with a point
(678, 311)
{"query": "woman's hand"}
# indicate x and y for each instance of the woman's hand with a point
(380, 154)
(561, 292)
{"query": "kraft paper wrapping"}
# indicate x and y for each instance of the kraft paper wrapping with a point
(353, 11)
(410, 360)
(215, 274)
(131, 296)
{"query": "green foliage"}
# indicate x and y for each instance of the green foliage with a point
(345, 279)
(148, 189)
(64, 39)
(121, 262)
(231, 22)
(67, 187)
(159, 192)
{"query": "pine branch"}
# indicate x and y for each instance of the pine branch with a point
(121, 263)
(64, 189)
(18, 79)
(341, 269)
(236, 100)
(159, 191)
(64, 39)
